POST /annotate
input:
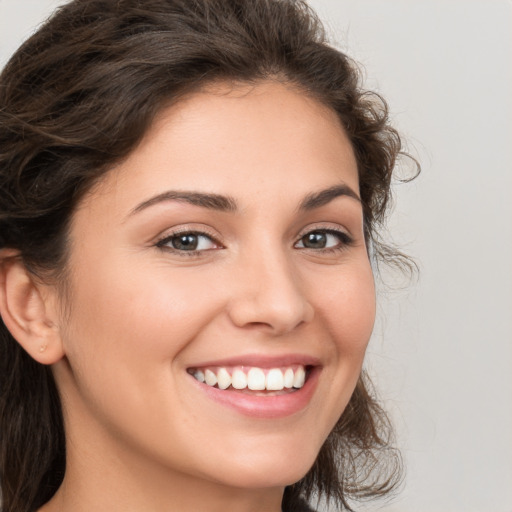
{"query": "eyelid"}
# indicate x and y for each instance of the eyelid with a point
(325, 227)
(346, 239)
(187, 229)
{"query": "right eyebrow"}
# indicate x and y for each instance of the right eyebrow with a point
(321, 198)
(210, 201)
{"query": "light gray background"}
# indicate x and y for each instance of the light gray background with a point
(442, 349)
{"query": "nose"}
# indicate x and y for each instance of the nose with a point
(268, 294)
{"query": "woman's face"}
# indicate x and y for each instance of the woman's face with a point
(228, 246)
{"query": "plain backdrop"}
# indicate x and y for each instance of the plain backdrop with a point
(441, 353)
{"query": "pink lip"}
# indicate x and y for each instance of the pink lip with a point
(265, 407)
(262, 361)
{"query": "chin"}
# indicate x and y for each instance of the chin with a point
(266, 470)
(255, 478)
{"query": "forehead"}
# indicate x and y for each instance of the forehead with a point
(247, 141)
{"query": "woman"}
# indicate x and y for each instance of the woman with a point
(190, 192)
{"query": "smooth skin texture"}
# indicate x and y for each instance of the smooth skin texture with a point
(139, 311)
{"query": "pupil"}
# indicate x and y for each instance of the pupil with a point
(315, 240)
(185, 242)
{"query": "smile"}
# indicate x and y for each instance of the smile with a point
(259, 386)
(252, 378)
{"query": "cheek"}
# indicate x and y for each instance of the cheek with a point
(346, 304)
(144, 311)
(346, 310)
(125, 332)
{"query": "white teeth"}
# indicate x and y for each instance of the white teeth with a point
(288, 378)
(199, 375)
(275, 380)
(210, 378)
(239, 379)
(223, 378)
(256, 379)
(299, 378)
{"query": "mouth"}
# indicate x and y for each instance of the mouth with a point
(253, 379)
(259, 387)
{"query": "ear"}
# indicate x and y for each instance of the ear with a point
(28, 310)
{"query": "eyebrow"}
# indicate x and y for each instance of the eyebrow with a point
(209, 201)
(318, 199)
(228, 204)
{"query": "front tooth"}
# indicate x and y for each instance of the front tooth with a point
(275, 380)
(239, 379)
(256, 379)
(299, 378)
(210, 378)
(288, 378)
(223, 378)
(199, 375)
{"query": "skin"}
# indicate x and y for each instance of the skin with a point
(141, 435)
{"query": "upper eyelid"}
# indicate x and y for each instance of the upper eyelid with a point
(342, 234)
(202, 231)
(215, 237)
(324, 227)
(164, 244)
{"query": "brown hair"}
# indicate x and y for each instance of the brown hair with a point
(76, 98)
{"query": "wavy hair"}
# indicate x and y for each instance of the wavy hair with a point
(76, 98)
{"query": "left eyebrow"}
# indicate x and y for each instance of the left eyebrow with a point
(318, 199)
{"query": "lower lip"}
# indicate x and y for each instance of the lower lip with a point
(261, 406)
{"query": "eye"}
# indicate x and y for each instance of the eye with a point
(323, 239)
(188, 242)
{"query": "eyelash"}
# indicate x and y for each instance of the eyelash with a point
(344, 239)
(163, 242)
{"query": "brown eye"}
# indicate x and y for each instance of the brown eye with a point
(315, 240)
(324, 239)
(188, 242)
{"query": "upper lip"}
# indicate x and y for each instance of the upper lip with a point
(262, 361)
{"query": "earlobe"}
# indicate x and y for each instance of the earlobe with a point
(26, 312)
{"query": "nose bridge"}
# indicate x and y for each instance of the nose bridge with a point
(269, 293)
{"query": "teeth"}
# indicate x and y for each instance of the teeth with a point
(223, 378)
(199, 375)
(275, 380)
(210, 378)
(299, 378)
(239, 379)
(288, 378)
(256, 379)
